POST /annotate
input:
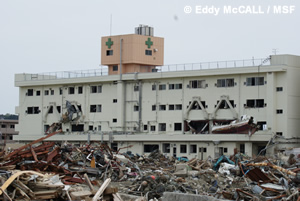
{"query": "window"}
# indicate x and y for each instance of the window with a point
(148, 148)
(77, 127)
(109, 52)
(152, 128)
(136, 108)
(178, 107)
(279, 133)
(279, 88)
(153, 107)
(255, 103)
(162, 87)
(96, 89)
(38, 93)
(58, 109)
(148, 52)
(193, 148)
(91, 128)
(52, 92)
(115, 68)
(224, 104)
(254, 81)
(50, 111)
(280, 111)
(33, 110)
(225, 82)
(171, 107)
(162, 107)
(12, 126)
(114, 146)
(29, 92)
(202, 149)
(95, 108)
(145, 127)
(177, 126)
(136, 87)
(242, 148)
(175, 86)
(60, 91)
(196, 105)
(71, 90)
(153, 87)
(115, 120)
(183, 148)
(3, 126)
(46, 92)
(80, 90)
(194, 84)
(166, 147)
(225, 150)
(162, 127)
(262, 125)
(99, 128)
(115, 100)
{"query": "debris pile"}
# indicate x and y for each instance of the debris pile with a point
(47, 170)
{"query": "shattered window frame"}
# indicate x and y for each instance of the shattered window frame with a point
(148, 148)
(166, 147)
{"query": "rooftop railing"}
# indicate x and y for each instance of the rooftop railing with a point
(103, 70)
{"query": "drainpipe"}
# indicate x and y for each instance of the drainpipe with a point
(121, 40)
(123, 88)
(140, 106)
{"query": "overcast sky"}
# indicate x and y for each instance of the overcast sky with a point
(39, 36)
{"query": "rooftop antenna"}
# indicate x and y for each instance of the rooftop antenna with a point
(274, 50)
(110, 24)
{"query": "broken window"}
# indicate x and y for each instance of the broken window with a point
(194, 84)
(279, 88)
(152, 128)
(148, 148)
(183, 148)
(175, 86)
(95, 108)
(153, 107)
(136, 108)
(38, 93)
(71, 90)
(225, 82)
(91, 128)
(46, 92)
(109, 52)
(162, 107)
(166, 147)
(115, 68)
(162, 126)
(114, 146)
(196, 105)
(58, 109)
(255, 103)
(162, 87)
(33, 110)
(136, 88)
(254, 81)
(80, 90)
(224, 104)
(46, 127)
(29, 92)
(50, 111)
(171, 107)
(279, 133)
(280, 111)
(77, 127)
(193, 148)
(177, 126)
(96, 89)
(262, 125)
(153, 87)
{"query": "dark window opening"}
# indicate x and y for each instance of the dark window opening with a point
(279, 88)
(197, 127)
(225, 83)
(153, 87)
(58, 109)
(196, 105)
(52, 92)
(71, 90)
(60, 91)
(279, 133)
(183, 148)
(171, 107)
(256, 103)
(115, 68)
(114, 146)
(38, 93)
(194, 84)
(152, 128)
(162, 127)
(77, 128)
(33, 110)
(30, 92)
(162, 107)
(202, 149)
(12, 126)
(46, 127)
(148, 52)
(50, 110)
(136, 88)
(96, 89)
(145, 127)
(162, 87)
(136, 108)
(115, 100)
(3, 126)
(95, 108)
(80, 90)
(254, 81)
(115, 120)
(177, 126)
(193, 148)
(262, 125)
(91, 128)
(224, 104)
(153, 107)
(279, 111)
(178, 107)
(46, 92)
(175, 86)
(148, 148)
(242, 148)
(166, 147)
(225, 150)
(109, 52)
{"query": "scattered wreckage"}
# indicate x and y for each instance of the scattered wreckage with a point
(44, 170)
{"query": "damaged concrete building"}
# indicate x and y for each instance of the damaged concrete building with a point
(133, 99)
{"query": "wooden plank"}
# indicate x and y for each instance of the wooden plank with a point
(87, 180)
(101, 189)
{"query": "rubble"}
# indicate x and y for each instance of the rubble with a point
(48, 170)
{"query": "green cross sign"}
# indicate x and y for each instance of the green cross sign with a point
(149, 42)
(109, 43)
